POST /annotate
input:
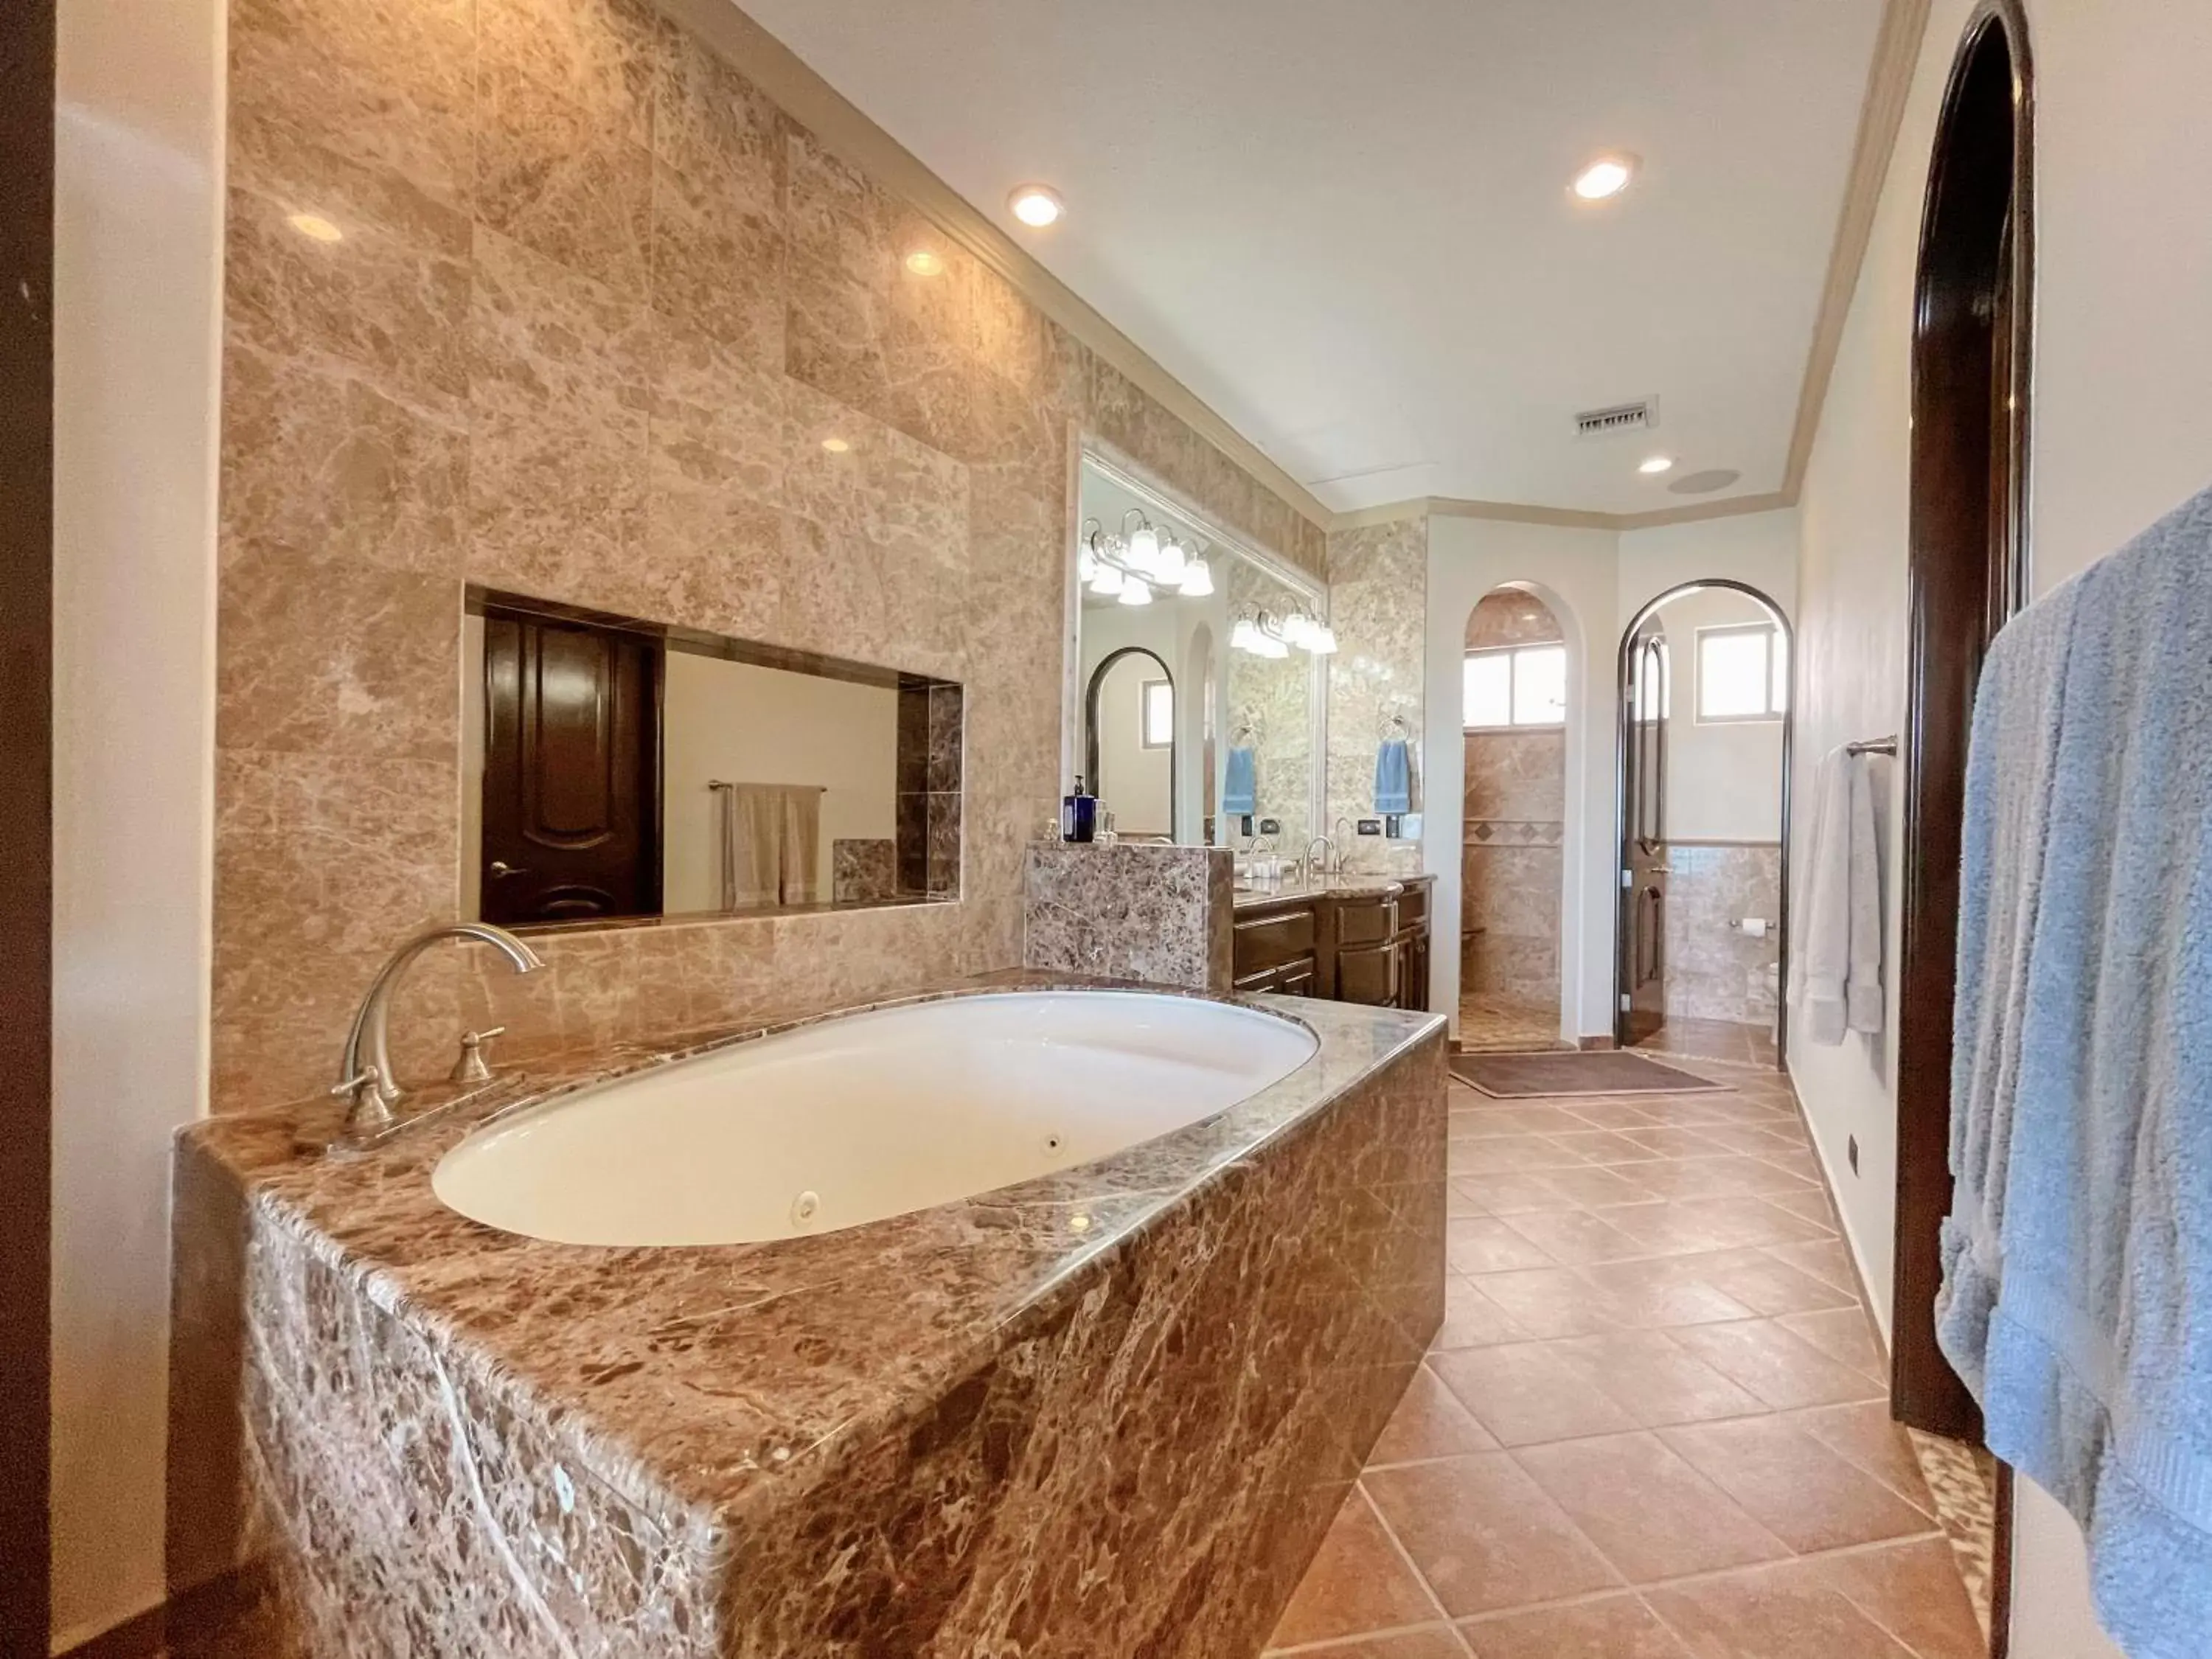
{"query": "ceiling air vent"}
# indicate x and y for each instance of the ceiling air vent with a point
(1639, 416)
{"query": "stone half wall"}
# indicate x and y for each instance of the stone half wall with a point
(583, 306)
(1144, 1462)
(1162, 915)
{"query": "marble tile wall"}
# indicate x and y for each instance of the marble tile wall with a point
(1714, 971)
(1378, 577)
(591, 307)
(1164, 915)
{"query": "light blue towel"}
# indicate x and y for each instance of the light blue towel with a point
(2077, 1294)
(1394, 777)
(1240, 789)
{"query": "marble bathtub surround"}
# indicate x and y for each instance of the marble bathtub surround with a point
(1378, 586)
(1162, 914)
(1714, 971)
(597, 311)
(460, 1441)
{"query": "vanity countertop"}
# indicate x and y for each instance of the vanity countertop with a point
(1354, 886)
(707, 1380)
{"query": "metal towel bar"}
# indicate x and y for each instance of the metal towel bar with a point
(1872, 747)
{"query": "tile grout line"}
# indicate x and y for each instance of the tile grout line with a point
(1412, 1566)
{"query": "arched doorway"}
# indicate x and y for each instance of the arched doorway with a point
(1130, 742)
(1514, 695)
(1701, 919)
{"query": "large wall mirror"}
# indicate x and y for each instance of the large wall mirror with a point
(1197, 698)
(617, 770)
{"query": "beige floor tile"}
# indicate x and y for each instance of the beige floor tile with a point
(1486, 1535)
(1651, 1514)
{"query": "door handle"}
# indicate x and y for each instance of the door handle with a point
(500, 868)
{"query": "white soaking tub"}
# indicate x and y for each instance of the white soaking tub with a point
(865, 1116)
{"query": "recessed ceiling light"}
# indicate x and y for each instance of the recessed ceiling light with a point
(1704, 484)
(315, 228)
(1608, 176)
(835, 446)
(923, 262)
(1653, 464)
(1036, 206)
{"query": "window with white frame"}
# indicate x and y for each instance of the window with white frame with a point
(1743, 674)
(1156, 698)
(1514, 686)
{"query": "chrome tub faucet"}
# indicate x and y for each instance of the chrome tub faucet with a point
(365, 1074)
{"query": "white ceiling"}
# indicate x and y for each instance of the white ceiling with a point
(1345, 223)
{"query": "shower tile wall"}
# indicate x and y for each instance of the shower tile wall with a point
(1511, 857)
(595, 304)
(1713, 970)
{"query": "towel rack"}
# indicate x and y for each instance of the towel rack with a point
(1392, 725)
(1872, 746)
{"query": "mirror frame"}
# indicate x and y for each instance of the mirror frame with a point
(1090, 450)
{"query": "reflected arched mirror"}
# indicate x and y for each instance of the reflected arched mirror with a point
(1130, 713)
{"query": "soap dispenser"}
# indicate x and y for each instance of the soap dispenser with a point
(1079, 815)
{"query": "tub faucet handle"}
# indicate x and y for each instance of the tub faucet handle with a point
(472, 1067)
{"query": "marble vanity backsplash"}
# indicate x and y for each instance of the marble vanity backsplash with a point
(1110, 1411)
(1162, 914)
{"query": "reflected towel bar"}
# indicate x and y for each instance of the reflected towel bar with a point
(1872, 747)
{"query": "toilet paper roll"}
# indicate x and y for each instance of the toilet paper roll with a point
(1753, 927)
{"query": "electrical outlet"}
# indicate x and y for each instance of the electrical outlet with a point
(1851, 1147)
(1271, 826)
(1370, 826)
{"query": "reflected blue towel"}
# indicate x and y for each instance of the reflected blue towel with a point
(1240, 790)
(1394, 777)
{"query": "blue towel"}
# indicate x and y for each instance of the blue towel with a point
(1240, 790)
(2077, 1258)
(1394, 777)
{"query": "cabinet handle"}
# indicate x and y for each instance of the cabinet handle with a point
(501, 869)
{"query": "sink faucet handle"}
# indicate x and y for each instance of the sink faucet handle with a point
(347, 1088)
(472, 1066)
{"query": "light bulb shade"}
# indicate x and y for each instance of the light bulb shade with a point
(1272, 648)
(1087, 564)
(1174, 558)
(1324, 641)
(1245, 635)
(1197, 579)
(1136, 592)
(1107, 582)
(1298, 629)
(1144, 549)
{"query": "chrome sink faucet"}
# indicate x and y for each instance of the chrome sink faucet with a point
(365, 1074)
(1331, 861)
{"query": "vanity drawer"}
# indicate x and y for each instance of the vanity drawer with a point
(1365, 920)
(1267, 943)
(1413, 907)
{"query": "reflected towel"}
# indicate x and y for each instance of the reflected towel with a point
(1394, 777)
(1240, 788)
(1836, 977)
(771, 845)
(2077, 1257)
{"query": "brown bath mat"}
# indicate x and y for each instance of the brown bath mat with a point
(1600, 1072)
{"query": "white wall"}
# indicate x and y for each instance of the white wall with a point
(1594, 581)
(1724, 778)
(2120, 433)
(138, 251)
(1185, 634)
(1134, 782)
(747, 725)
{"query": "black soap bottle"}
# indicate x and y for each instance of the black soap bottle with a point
(1079, 815)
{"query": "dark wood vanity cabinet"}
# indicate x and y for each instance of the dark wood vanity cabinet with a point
(1367, 945)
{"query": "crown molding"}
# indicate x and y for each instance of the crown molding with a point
(1881, 113)
(850, 134)
(855, 138)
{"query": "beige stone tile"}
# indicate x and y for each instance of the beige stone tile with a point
(333, 656)
(559, 178)
(1484, 1535)
(388, 87)
(1781, 1369)
(1803, 1493)
(1607, 1627)
(719, 264)
(1524, 1393)
(604, 57)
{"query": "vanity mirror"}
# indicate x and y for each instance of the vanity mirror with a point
(1196, 703)
(616, 769)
